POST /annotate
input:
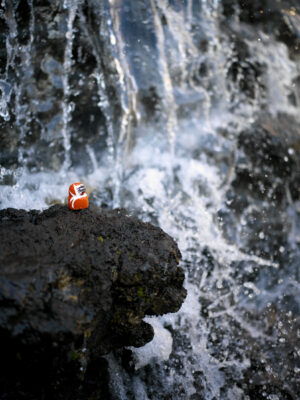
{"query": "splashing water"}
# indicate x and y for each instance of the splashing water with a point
(163, 107)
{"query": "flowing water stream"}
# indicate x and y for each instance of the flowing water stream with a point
(157, 106)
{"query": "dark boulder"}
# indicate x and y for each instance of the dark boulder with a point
(271, 149)
(75, 285)
(280, 18)
(265, 191)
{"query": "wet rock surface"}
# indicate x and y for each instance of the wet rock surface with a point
(39, 43)
(265, 190)
(60, 84)
(74, 286)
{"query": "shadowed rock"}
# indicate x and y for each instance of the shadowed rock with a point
(75, 285)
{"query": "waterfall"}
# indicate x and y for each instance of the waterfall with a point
(67, 106)
(186, 113)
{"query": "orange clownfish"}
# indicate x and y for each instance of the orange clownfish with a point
(78, 198)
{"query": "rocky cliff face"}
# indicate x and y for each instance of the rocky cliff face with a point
(56, 71)
(74, 75)
(74, 286)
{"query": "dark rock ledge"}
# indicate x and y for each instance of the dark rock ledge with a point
(75, 285)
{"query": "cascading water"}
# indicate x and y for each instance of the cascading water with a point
(186, 113)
